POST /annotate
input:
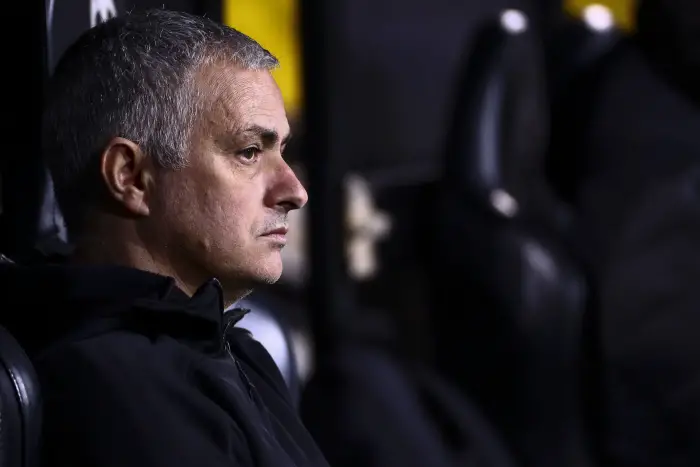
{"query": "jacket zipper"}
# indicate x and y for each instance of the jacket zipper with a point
(244, 377)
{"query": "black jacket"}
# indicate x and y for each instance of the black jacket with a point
(135, 373)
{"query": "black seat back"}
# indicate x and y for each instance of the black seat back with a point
(367, 405)
(20, 408)
(20, 404)
(509, 297)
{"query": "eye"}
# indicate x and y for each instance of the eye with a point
(250, 155)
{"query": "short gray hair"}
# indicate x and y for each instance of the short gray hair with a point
(133, 76)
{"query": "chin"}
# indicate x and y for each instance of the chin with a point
(242, 283)
(256, 270)
(268, 279)
(268, 270)
(269, 276)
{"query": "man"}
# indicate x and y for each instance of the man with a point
(165, 135)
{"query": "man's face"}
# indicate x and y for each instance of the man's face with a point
(225, 214)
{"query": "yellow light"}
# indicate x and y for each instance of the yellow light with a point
(274, 24)
(622, 10)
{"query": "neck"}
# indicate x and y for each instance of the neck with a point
(120, 245)
(98, 249)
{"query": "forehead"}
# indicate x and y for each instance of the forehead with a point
(236, 98)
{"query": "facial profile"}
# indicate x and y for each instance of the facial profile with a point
(225, 214)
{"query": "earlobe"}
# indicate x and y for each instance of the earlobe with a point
(126, 175)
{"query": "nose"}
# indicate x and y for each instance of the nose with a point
(286, 191)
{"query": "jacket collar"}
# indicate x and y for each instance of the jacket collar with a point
(64, 297)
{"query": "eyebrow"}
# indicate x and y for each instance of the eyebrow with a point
(268, 136)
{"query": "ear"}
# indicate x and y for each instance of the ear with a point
(128, 175)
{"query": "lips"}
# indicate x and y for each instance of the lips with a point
(277, 235)
(276, 231)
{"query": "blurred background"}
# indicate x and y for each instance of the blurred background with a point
(498, 262)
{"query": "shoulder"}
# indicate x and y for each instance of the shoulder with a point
(120, 365)
(128, 388)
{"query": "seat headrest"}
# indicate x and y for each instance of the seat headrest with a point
(498, 141)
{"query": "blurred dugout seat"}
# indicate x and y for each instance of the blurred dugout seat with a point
(583, 54)
(579, 54)
(626, 156)
(510, 297)
(368, 405)
(20, 404)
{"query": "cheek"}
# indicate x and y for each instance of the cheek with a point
(212, 213)
(226, 212)
(224, 215)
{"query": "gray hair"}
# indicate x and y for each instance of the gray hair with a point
(133, 76)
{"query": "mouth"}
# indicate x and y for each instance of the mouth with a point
(282, 230)
(277, 235)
